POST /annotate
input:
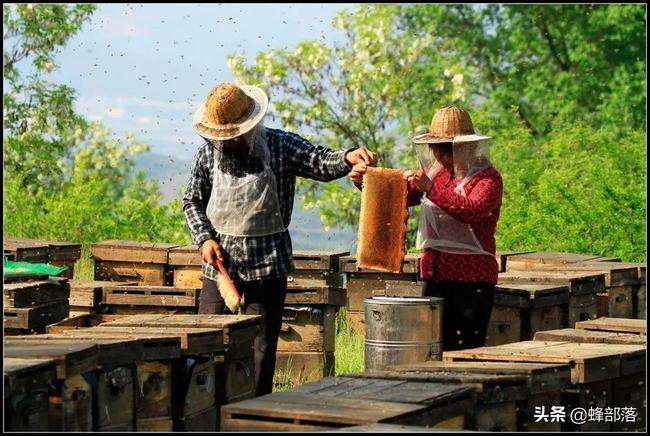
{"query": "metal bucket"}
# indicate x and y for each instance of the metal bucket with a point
(402, 330)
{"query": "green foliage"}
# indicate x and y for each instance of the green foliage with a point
(65, 179)
(561, 88)
(349, 95)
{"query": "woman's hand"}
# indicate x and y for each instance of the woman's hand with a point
(356, 174)
(419, 178)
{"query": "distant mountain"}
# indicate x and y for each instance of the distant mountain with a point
(171, 172)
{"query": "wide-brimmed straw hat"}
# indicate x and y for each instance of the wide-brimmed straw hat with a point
(230, 111)
(450, 124)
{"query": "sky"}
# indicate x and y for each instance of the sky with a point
(145, 68)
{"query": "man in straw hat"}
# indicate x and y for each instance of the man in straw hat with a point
(460, 193)
(239, 201)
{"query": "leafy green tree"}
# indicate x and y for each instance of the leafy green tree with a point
(65, 178)
(538, 78)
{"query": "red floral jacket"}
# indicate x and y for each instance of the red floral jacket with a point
(480, 209)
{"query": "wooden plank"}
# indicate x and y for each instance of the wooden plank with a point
(155, 425)
(520, 261)
(505, 325)
(616, 273)
(578, 283)
(186, 255)
(115, 397)
(295, 407)
(620, 301)
(89, 293)
(193, 341)
(71, 359)
(411, 265)
(154, 390)
(639, 302)
(228, 323)
(154, 347)
(591, 362)
(307, 328)
(581, 307)
(83, 321)
(540, 378)
(305, 294)
(29, 294)
(188, 276)
(110, 352)
(143, 273)
(544, 318)
(132, 251)
(491, 388)
(525, 295)
(151, 296)
(194, 384)
(235, 377)
(621, 325)
(640, 266)
(590, 336)
(36, 316)
(27, 250)
(502, 258)
(318, 260)
(203, 421)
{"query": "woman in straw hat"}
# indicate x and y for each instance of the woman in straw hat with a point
(460, 193)
(239, 201)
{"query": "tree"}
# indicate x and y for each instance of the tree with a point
(350, 95)
(65, 179)
(534, 77)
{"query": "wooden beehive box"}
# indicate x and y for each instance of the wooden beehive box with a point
(144, 262)
(317, 268)
(186, 263)
(235, 366)
(194, 394)
(22, 249)
(26, 383)
(507, 392)
(114, 381)
(583, 287)
(619, 325)
(596, 367)
(621, 281)
(520, 310)
(30, 306)
(71, 403)
(86, 296)
(336, 402)
(590, 362)
(306, 343)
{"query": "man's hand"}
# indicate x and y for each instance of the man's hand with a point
(361, 155)
(356, 174)
(210, 252)
(420, 179)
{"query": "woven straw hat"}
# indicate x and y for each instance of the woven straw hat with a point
(230, 111)
(450, 124)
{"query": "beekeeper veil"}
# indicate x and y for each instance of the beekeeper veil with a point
(437, 229)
